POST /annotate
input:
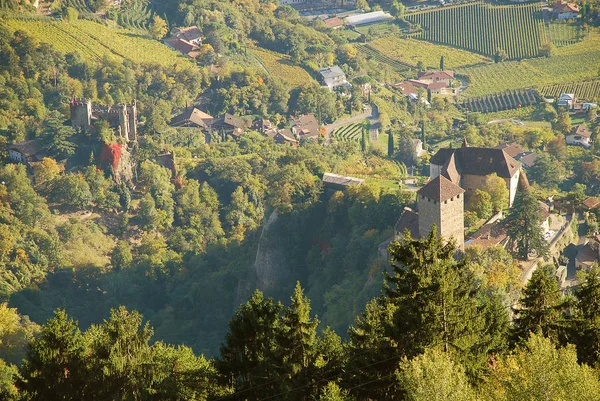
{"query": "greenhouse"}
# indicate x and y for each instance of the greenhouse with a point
(367, 18)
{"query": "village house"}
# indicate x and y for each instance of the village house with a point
(566, 100)
(433, 77)
(333, 77)
(27, 152)
(229, 125)
(590, 203)
(305, 127)
(579, 136)
(190, 34)
(564, 11)
(186, 40)
(514, 150)
(589, 254)
(192, 118)
(280, 136)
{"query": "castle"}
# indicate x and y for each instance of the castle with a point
(455, 174)
(122, 117)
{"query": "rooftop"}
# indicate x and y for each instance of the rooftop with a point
(331, 72)
(330, 178)
(512, 149)
(192, 116)
(409, 220)
(440, 189)
(476, 161)
(581, 131)
(334, 22)
(590, 202)
(433, 75)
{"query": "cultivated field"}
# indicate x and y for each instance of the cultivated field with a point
(374, 54)
(509, 100)
(136, 15)
(587, 91)
(569, 64)
(412, 51)
(96, 41)
(281, 66)
(482, 28)
(563, 34)
(351, 132)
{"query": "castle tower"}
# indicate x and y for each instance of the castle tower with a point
(81, 114)
(132, 115)
(123, 121)
(441, 202)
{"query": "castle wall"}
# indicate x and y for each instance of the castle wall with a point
(81, 114)
(448, 216)
(471, 183)
(513, 183)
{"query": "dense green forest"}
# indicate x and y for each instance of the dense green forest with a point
(142, 285)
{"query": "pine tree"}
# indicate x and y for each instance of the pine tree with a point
(55, 368)
(523, 223)
(541, 306)
(436, 300)
(250, 356)
(297, 344)
(586, 327)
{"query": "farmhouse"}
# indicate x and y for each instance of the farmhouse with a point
(432, 77)
(333, 77)
(190, 34)
(305, 126)
(230, 125)
(182, 46)
(563, 10)
(566, 100)
(26, 152)
(590, 203)
(589, 254)
(281, 136)
(579, 136)
(192, 118)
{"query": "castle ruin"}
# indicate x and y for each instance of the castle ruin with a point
(122, 117)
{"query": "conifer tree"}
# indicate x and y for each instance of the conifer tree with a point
(297, 344)
(523, 223)
(541, 306)
(390, 144)
(249, 357)
(587, 318)
(442, 63)
(54, 368)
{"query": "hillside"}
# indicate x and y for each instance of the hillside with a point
(96, 41)
(567, 64)
(482, 28)
(281, 66)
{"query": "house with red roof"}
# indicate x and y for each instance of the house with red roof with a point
(563, 10)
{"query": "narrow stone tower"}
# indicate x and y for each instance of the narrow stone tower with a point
(81, 114)
(441, 202)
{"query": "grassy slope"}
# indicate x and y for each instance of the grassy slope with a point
(96, 41)
(572, 63)
(282, 67)
(411, 51)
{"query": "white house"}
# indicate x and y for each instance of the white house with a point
(566, 100)
(579, 136)
(565, 11)
(334, 77)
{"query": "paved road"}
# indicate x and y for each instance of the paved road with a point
(374, 119)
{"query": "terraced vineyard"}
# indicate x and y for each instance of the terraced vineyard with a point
(568, 64)
(587, 91)
(351, 132)
(96, 41)
(508, 100)
(412, 51)
(136, 15)
(374, 54)
(79, 5)
(563, 34)
(482, 28)
(281, 66)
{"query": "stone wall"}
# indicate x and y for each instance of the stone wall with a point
(452, 220)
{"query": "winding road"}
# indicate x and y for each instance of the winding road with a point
(371, 114)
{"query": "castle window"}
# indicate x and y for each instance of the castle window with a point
(428, 200)
(445, 202)
(458, 196)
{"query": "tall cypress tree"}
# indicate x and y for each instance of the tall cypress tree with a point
(390, 144)
(442, 63)
(541, 307)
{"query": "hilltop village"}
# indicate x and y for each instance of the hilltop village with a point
(186, 185)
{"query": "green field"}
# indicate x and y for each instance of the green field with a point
(371, 53)
(563, 34)
(569, 64)
(509, 100)
(412, 51)
(588, 90)
(97, 41)
(351, 132)
(281, 66)
(379, 29)
(482, 28)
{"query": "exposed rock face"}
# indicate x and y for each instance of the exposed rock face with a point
(270, 264)
(118, 157)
